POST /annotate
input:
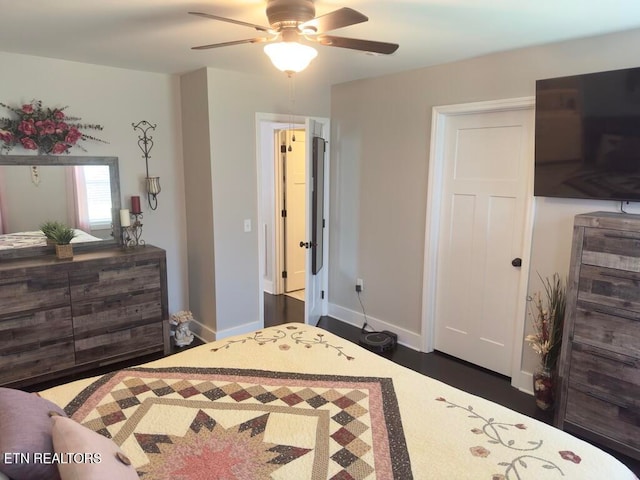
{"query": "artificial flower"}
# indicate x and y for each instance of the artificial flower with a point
(50, 131)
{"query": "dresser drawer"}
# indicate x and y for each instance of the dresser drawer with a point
(612, 249)
(116, 343)
(608, 287)
(28, 330)
(109, 280)
(36, 359)
(35, 343)
(117, 312)
(605, 374)
(35, 289)
(620, 423)
(609, 328)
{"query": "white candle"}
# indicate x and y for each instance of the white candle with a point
(125, 219)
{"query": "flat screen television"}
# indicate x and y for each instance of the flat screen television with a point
(587, 136)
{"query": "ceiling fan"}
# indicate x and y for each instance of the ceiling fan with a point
(293, 20)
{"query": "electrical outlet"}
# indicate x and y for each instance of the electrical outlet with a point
(359, 285)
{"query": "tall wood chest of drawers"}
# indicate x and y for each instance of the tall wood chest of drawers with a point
(61, 317)
(599, 368)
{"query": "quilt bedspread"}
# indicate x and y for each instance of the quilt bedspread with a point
(296, 402)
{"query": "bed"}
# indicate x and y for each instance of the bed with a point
(297, 402)
(37, 239)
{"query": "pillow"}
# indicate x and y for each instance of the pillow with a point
(25, 429)
(89, 455)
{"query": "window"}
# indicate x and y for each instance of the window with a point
(98, 184)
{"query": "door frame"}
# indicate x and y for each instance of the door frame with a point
(267, 240)
(439, 118)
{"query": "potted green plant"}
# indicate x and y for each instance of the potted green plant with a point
(63, 235)
(48, 228)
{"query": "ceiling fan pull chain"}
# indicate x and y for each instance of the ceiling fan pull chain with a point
(290, 135)
(293, 103)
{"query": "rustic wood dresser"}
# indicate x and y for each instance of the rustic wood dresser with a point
(600, 361)
(61, 317)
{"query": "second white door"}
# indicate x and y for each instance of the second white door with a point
(482, 224)
(295, 206)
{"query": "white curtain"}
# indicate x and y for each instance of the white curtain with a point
(77, 199)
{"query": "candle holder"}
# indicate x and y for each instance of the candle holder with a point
(145, 142)
(131, 235)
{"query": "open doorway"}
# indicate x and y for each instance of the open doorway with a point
(282, 171)
(310, 242)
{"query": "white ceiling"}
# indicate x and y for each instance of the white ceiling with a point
(156, 35)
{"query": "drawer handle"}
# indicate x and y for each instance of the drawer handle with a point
(628, 363)
(607, 400)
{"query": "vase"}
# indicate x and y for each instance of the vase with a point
(64, 252)
(543, 388)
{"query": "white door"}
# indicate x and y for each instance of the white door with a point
(295, 206)
(487, 157)
(314, 296)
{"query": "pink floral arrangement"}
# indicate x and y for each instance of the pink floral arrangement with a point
(47, 130)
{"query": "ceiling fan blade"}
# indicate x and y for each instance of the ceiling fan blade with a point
(228, 44)
(340, 18)
(260, 28)
(356, 44)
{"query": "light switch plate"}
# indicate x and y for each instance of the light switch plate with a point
(247, 225)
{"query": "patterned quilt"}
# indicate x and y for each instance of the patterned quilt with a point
(297, 402)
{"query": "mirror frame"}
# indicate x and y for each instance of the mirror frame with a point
(116, 203)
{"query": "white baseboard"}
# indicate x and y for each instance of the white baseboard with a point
(405, 337)
(239, 330)
(267, 286)
(522, 380)
(208, 335)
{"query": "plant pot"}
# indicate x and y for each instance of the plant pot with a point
(64, 252)
(544, 388)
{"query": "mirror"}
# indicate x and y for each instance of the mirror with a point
(317, 202)
(82, 192)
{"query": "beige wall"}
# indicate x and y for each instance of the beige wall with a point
(379, 164)
(198, 197)
(29, 204)
(232, 100)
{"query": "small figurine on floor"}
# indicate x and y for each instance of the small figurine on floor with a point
(183, 335)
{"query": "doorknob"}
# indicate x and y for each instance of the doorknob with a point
(516, 262)
(304, 244)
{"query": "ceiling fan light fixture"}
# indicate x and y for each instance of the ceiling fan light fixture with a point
(290, 57)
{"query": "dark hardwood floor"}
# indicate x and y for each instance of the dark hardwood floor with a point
(280, 309)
